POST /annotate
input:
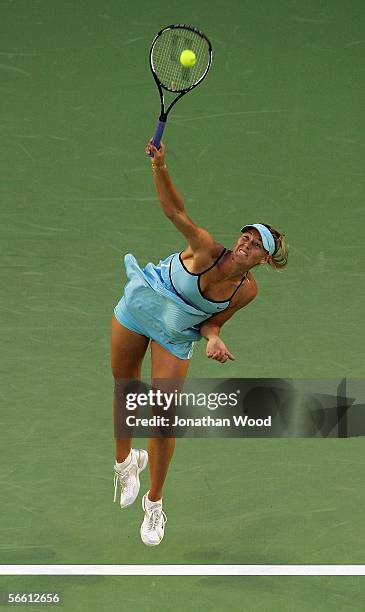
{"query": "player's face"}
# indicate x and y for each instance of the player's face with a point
(249, 248)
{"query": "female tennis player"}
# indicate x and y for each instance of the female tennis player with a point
(170, 306)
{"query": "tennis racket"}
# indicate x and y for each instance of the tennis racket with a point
(168, 70)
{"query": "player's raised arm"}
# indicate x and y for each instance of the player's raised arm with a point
(172, 203)
(170, 199)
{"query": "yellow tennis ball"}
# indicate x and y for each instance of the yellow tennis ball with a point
(187, 58)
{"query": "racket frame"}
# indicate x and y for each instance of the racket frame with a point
(164, 113)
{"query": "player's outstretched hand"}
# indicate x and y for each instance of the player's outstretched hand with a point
(216, 349)
(158, 158)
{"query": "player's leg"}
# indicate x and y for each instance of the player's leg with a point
(160, 450)
(127, 351)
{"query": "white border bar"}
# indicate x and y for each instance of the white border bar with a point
(182, 570)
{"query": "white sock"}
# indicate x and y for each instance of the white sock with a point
(124, 464)
(151, 504)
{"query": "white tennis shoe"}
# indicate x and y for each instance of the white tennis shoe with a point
(153, 526)
(129, 477)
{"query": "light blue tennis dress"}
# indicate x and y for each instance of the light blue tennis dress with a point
(165, 303)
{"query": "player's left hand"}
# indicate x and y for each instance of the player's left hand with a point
(216, 349)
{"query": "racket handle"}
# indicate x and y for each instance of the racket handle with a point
(157, 137)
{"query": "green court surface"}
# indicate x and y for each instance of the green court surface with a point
(274, 134)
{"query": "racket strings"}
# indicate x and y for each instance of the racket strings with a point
(165, 57)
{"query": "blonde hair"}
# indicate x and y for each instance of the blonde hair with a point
(279, 259)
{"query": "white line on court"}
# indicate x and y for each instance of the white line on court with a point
(182, 570)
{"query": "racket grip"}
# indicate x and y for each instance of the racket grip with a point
(157, 137)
